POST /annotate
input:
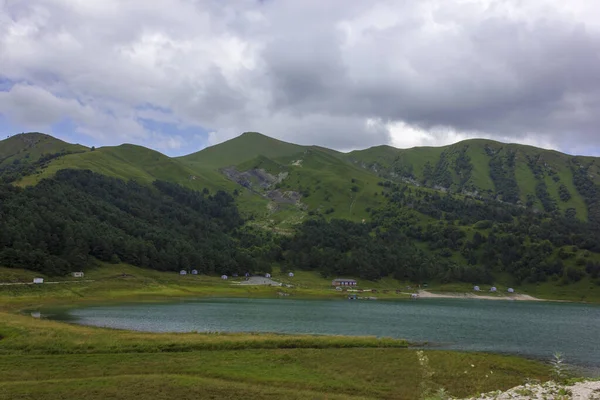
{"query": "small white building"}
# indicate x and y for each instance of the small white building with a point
(267, 275)
(476, 288)
(224, 277)
(183, 272)
(194, 272)
(511, 290)
(493, 289)
(77, 274)
(38, 280)
(291, 274)
(247, 274)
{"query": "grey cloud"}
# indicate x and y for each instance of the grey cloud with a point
(492, 75)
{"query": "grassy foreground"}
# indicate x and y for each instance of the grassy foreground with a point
(52, 360)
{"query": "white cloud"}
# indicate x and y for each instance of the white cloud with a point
(329, 73)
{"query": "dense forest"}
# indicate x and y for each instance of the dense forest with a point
(63, 223)
(58, 225)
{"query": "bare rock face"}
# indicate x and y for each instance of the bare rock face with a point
(261, 182)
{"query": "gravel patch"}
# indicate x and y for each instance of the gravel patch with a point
(547, 391)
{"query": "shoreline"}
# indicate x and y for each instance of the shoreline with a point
(424, 294)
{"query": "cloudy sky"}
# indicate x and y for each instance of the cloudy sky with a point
(178, 75)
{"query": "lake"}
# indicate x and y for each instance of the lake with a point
(532, 329)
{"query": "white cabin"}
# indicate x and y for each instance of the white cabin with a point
(224, 277)
(511, 290)
(77, 274)
(267, 275)
(291, 274)
(38, 280)
(183, 272)
(476, 288)
(194, 272)
(493, 289)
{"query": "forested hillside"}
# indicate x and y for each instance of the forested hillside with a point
(539, 179)
(62, 223)
(477, 211)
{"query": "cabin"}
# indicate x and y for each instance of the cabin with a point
(267, 275)
(183, 272)
(77, 274)
(291, 274)
(38, 280)
(511, 290)
(493, 289)
(194, 272)
(476, 288)
(247, 274)
(224, 277)
(343, 282)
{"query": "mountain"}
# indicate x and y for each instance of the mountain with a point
(477, 211)
(542, 179)
(285, 182)
(33, 146)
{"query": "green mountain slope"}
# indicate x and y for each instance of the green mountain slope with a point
(474, 212)
(133, 162)
(518, 174)
(283, 183)
(31, 147)
(243, 148)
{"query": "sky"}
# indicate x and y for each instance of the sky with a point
(180, 75)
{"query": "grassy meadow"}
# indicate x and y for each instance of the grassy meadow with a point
(53, 360)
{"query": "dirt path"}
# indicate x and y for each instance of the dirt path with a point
(259, 280)
(45, 283)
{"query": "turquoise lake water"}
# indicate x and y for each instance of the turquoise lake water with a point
(532, 329)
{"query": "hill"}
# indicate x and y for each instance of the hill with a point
(474, 212)
(541, 179)
(245, 147)
(281, 183)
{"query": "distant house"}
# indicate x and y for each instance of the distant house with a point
(77, 274)
(511, 290)
(247, 274)
(343, 282)
(38, 280)
(224, 277)
(493, 289)
(291, 274)
(183, 272)
(194, 272)
(476, 288)
(267, 275)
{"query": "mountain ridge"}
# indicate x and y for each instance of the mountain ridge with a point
(477, 212)
(490, 170)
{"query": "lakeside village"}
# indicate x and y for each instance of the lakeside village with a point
(345, 285)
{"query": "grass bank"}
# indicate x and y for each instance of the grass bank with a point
(52, 360)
